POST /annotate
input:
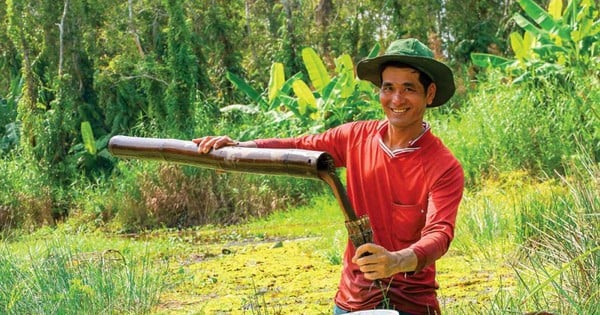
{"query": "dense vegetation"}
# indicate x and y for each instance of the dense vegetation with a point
(75, 73)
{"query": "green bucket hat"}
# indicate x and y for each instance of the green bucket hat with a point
(414, 54)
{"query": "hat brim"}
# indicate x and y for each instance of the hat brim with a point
(440, 74)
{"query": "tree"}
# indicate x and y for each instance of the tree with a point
(477, 26)
(182, 65)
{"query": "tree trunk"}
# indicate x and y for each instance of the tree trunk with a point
(133, 30)
(61, 49)
(323, 14)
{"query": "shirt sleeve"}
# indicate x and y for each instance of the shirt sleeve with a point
(438, 231)
(333, 141)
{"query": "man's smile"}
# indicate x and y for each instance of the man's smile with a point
(399, 110)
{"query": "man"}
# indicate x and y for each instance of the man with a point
(400, 175)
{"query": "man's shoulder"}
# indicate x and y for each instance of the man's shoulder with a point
(362, 126)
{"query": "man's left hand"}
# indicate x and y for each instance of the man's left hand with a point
(377, 262)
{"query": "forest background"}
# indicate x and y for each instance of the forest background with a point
(75, 73)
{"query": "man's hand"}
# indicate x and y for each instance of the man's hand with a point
(379, 263)
(205, 144)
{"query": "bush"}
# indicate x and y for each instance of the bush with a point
(504, 127)
(144, 195)
(26, 200)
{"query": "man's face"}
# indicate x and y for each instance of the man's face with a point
(404, 98)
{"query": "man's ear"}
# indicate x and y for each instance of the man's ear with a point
(431, 93)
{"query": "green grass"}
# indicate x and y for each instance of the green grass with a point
(55, 277)
(521, 245)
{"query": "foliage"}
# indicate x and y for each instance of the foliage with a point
(333, 100)
(26, 201)
(151, 68)
(535, 125)
(9, 127)
(181, 62)
(555, 41)
(486, 33)
(143, 195)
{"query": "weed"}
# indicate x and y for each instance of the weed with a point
(257, 304)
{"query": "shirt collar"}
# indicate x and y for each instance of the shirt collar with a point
(411, 145)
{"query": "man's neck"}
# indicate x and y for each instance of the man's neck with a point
(402, 138)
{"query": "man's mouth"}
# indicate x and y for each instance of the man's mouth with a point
(399, 110)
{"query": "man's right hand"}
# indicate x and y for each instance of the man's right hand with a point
(205, 144)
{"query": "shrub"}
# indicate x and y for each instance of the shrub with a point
(26, 200)
(145, 195)
(505, 127)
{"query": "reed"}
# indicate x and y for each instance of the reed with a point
(55, 279)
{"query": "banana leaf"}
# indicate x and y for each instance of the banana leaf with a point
(488, 60)
(253, 94)
(305, 96)
(316, 69)
(88, 137)
(276, 80)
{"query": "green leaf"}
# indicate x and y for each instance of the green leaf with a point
(550, 51)
(287, 86)
(291, 104)
(316, 68)
(253, 94)
(345, 68)
(527, 26)
(344, 64)
(375, 51)
(88, 137)
(489, 60)
(518, 46)
(552, 278)
(276, 80)
(541, 17)
(305, 96)
(326, 94)
(528, 40)
(555, 9)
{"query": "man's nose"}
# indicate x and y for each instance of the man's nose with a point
(398, 97)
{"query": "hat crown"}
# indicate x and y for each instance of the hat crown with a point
(409, 47)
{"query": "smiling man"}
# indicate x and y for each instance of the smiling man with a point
(399, 174)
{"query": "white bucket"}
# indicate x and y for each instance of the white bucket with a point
(374, 312)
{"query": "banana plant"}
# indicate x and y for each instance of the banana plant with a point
(552, 39)
(322, 102)
(92, 154)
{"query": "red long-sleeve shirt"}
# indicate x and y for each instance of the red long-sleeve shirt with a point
(411, 197)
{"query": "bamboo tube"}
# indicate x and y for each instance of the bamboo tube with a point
(290, 162)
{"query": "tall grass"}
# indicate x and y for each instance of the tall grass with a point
(58, 280)
(561, 257)
(26, 200)
(503, 127)
(549, 232)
